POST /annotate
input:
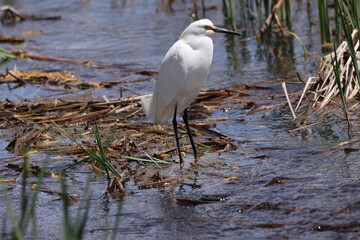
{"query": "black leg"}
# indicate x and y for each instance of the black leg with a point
(176, 135)
(186, 121)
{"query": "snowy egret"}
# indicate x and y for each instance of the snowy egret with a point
(181, 76)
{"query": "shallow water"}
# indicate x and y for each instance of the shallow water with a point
(287, 185)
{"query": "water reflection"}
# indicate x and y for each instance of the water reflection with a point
(138, 35)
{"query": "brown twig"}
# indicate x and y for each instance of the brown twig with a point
(77, 118)
(268, 20)
(303, 127)
(12, 15)
(25, 54)
(11, 39)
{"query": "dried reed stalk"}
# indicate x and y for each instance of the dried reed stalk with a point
(324, 87)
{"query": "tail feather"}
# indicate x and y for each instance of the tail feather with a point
(146, 105)
(155, 111)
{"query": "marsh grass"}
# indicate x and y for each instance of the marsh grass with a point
(325, 29)
(229, 10)
(27, 216)
(339, 84)
(99, 156)
(248, 10)
(288, 15)
(338, 75)
(300, 42)
(350, 21)
(25, 223)
(74, 227)
(5, 56)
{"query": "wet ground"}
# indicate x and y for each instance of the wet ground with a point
(270, 184)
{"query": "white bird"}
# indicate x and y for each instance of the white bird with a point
(182, 73)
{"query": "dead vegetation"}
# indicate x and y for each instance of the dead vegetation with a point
(323, 94)
(128, 137)
(326, 88)
(11, 16)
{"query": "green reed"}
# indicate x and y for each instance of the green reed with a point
(27, 215)
(229, 10)
(325, 29)
(5, 57)
(350, 20)
(100, 155)
(339, 84)
(74, 226)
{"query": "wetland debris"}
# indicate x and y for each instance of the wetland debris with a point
(24, 138)
(335, 88)
(71, 198)
(11, 39)
(160, 183)
(48, 78)
(11, 16)
(116, 189)
(25, 54)
(326, 89)
(128, 142)
(98, 156)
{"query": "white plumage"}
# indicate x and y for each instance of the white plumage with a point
(182, 73)
(181, 76)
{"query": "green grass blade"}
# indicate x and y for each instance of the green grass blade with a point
(300, 41)
(148, 160)
(28, 203)
(345, 12)
(34, 199)
(152, 159)
(24, 192)
(230, 12)
(18, 234)
(355, 6)
(339, 85)
(117, 221)
(82, 218)
(99, 142)
(324, 21)
(35, 194)
(350, 43)
(203, 145)
(89, 152)
(67, 226)
(338, 25)
(101, 159)
(288, 14)
(78, 162)
(6, 54)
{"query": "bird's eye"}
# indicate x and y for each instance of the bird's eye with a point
(208, 27)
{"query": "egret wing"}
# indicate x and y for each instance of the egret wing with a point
(170, 82)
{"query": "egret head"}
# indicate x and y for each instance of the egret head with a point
(204, 27)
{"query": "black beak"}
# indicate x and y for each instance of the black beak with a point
(223, 30)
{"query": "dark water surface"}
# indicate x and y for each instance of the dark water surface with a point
(287, 185)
